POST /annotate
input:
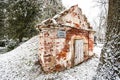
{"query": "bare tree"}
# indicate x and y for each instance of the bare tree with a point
(100, 21)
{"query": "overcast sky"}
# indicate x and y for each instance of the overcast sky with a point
(87, 7)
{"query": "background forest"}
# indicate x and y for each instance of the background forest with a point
(18, 18)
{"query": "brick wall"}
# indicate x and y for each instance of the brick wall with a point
(56, 54)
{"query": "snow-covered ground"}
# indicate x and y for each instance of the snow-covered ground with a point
(19, 64)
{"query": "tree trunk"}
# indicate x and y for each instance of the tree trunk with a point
(20, 38)
(109, 66)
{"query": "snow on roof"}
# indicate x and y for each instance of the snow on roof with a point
(55, 21)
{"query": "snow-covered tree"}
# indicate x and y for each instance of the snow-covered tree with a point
(49, 8)
(3, 6)
(22, 16)
(109, 68)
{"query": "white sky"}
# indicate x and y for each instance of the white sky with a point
(87, 7)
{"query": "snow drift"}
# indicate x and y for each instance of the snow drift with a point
(20, 64)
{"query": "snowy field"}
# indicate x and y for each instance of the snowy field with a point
(19, 64)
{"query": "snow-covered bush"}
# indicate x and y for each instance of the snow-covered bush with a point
(11, 45)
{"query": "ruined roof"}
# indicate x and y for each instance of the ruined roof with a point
(71, 17)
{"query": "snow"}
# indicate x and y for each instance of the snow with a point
(97, 49)
(3, 50)
(2, 47)
(20, 64)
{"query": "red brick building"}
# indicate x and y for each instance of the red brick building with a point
(66, 40)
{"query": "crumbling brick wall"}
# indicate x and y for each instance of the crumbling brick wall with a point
(57, 54)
